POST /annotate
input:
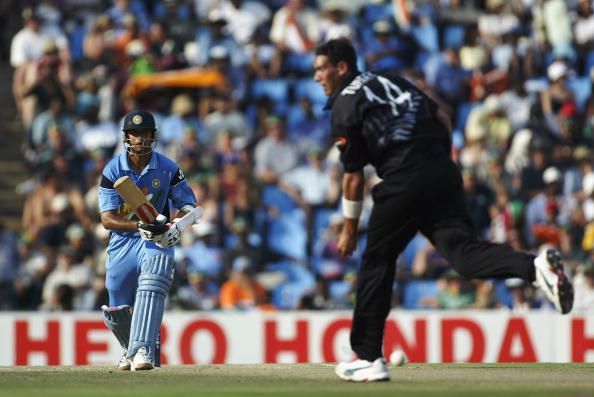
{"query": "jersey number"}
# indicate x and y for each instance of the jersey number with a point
(398, 100)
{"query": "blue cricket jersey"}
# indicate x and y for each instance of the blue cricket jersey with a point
(160, 181)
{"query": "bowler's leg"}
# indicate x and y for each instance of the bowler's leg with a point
(391, 226)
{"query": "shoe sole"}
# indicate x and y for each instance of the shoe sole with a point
(372, 379)
(564, 287)
(381, 378)
(124, 367)
(143, 367)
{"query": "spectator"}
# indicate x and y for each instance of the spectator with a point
(10, 262)
(244, 18)
(584, 289)
(183, 117)
(122, 9)
(60, 299)
(243, 245)
(98, 42)
(557, 24)
(274, 155)
(95, 136)
(202, 254)
(452, 82)
(177, 20)
(558, 93)
(496, 22)
(77, 276)
(490, 121)
(473, 54)
(543, 210)
(241, 291)
(226, 117)
(583, 29)
(479, 199)
(386, 51)
(200, 293)
(307, 128)
(334, 23)
(295, 28)
(264, 58)
(522, 296)
(217, 37)
(531, 181)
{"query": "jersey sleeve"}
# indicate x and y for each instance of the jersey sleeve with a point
(347, 129)
(109, 199)
(181, 193)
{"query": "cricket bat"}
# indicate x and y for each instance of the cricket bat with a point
(132, 195)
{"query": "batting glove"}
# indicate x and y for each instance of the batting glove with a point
(153, 231)
(171, 237)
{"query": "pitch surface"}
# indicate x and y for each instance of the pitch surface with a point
(300, 380)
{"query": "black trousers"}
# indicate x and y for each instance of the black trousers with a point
(426, 196)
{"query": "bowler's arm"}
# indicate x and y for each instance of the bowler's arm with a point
(352, 188)
(445, 120)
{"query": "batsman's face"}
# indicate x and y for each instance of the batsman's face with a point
(141, 141)
(327, 75)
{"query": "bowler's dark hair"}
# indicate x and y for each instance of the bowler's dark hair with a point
(339, 50)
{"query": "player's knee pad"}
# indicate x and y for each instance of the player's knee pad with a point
(119, 320)
(153, 285)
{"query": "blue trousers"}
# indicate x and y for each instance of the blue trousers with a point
(125, 256)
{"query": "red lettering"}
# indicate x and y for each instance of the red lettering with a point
(580, 343)
(24, 345)
(394, 339)
(220, 342)
(516, 328)
(477, 339)
(328, 338)
(274, 345)
(83, 345)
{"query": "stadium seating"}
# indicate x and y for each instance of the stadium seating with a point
(287, 235)
(416, 290)
(275, 89)
(453, 36)
(582, 89)
(308, 88)
(376, 12)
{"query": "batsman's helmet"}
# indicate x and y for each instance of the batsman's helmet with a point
(138, 120)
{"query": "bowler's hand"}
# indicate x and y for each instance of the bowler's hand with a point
(347, 241)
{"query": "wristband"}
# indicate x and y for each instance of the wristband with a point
(351, 209)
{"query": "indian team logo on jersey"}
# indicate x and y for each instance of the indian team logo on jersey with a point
(156, 183)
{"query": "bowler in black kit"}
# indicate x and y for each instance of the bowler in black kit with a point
(387, 122)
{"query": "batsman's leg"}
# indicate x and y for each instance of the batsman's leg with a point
(153, 284)
(119, 319)
(121, 280)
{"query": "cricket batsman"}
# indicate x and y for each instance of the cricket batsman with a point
(139, 268)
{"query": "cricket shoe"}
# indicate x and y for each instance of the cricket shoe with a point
(141, 360)
(124, 363)
(550, 277)
(363, 370)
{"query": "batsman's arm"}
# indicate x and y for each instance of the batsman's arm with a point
(112, 221)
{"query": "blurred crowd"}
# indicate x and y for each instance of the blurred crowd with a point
(515, 77)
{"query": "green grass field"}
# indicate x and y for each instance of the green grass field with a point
(542, 380)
